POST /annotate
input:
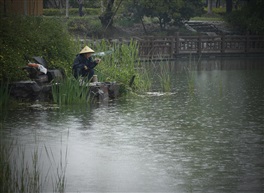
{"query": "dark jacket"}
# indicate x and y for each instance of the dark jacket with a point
(78, 66)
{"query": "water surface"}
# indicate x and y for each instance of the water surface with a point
(207, 136)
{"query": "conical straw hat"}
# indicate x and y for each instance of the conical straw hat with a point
(86, 49)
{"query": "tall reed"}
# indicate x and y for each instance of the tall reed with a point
(18, 174)
(71, 91)
(191, 70)
(119, 63)
(165, 76)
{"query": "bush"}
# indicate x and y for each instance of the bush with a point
(33, 36)
(249, 19)
(72, 11)
(219, 10)
(246, 23)
(86, 26)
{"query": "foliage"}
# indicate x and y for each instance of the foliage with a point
(250, 18)
(72, 11)
(17, 174)
(71, 91)
(121, 64)
(33, 36)
(219, 10)
(165, 75)
(174, 12)
(86, 26)
(108, 13)
(72, 3)
(86, 4)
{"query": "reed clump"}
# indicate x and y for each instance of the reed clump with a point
(71, 91)
(17, 174)
(120, 63)
(165, 77)
(191, 70)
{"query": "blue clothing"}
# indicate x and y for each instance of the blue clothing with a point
(78, 67)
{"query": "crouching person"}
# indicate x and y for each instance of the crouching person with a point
(83, 65)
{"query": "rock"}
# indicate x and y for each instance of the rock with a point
(22, 90)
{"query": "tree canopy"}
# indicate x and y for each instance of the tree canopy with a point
(173, 12)
(249, 18)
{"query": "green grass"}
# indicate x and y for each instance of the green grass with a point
(207, 19)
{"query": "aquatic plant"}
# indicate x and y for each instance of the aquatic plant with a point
(120, 62)
(145, 79)
(190, 72)
(71, 91)
(165, 76)
(19, 175)
(158, 73)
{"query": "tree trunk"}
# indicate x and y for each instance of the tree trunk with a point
(143, 25)
(80, 2)
(102, 6)
(106, 16)
(210, 6)
(229, 6)
(217, 3)
(67, 8)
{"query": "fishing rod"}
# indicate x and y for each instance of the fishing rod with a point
(105, 53)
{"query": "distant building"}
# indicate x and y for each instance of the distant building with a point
(21, 7)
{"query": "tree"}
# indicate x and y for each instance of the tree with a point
(209, 6)
(249, 18)
(229, 6)
(54, 3)
(106, 16)
(173, 12)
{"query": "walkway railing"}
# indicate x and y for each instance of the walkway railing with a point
(174, 46)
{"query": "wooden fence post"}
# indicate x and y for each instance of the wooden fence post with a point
(222, 43)
(199, 44)
(151, 51)
(172, 41)
(247, 44)
(177, 43)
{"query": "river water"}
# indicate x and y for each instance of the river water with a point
(207, 137)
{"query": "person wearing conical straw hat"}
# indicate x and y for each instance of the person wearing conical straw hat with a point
(83, 64)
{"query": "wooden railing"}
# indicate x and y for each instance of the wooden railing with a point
(174, 46)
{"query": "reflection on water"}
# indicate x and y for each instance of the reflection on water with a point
(208, 140)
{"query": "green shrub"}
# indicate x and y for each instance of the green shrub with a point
(84, 26)
(33, 36)
(125, 22)
(72, 11)
(248, 19)
(219, 10)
